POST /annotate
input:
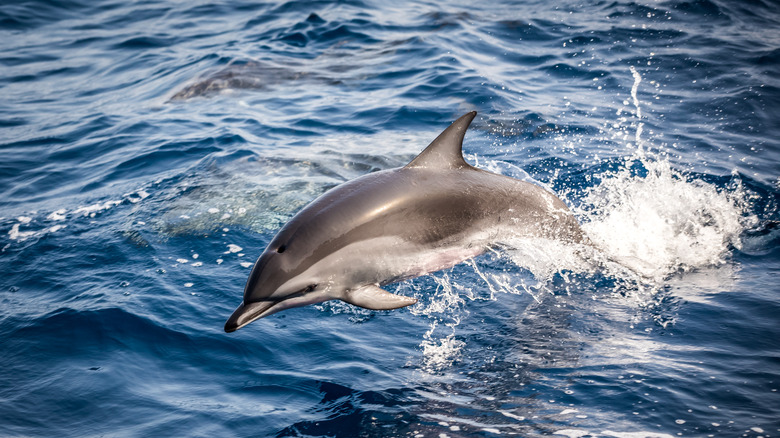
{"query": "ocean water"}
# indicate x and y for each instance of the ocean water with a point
(150, 150)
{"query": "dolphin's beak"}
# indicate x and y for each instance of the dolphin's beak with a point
(246, 313)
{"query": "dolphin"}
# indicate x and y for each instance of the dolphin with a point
(251, 75)
(397, 224)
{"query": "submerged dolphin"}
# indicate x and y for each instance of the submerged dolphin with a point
(396, 224)
(251, 75)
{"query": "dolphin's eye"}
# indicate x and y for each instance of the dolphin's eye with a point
(309, 288)
(281, 249)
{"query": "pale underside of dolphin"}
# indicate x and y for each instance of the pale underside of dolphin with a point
(397, 224)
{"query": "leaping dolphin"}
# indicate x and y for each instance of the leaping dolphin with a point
(396, 224)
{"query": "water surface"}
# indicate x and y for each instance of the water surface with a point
(150, 150)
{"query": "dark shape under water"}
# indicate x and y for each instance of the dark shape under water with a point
(252, 75)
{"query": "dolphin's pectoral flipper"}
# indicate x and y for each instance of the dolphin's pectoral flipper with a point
(375, 298)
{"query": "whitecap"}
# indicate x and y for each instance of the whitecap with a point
(233, 248)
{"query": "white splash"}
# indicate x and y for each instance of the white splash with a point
(640, 124)
(572, 433)
(443, 309)
(37, 225)
(94, 209)
(662, 223)
(15, 234)
(137, 197)
(652, 224)
(646, 222)
(233, 248)
(59, 215)
(439, 352)
(636, 434)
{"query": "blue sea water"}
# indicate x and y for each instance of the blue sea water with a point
(151, 149)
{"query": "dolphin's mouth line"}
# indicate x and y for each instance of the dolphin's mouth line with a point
(298, 294)
(246, 313)
(243, 316)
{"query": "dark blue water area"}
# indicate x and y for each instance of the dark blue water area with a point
(151, 150)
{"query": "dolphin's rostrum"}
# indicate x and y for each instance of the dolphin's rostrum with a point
(397, 224)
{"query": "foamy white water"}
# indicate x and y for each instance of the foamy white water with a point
(647, 222)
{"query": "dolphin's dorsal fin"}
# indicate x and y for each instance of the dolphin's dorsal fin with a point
(446, 152)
